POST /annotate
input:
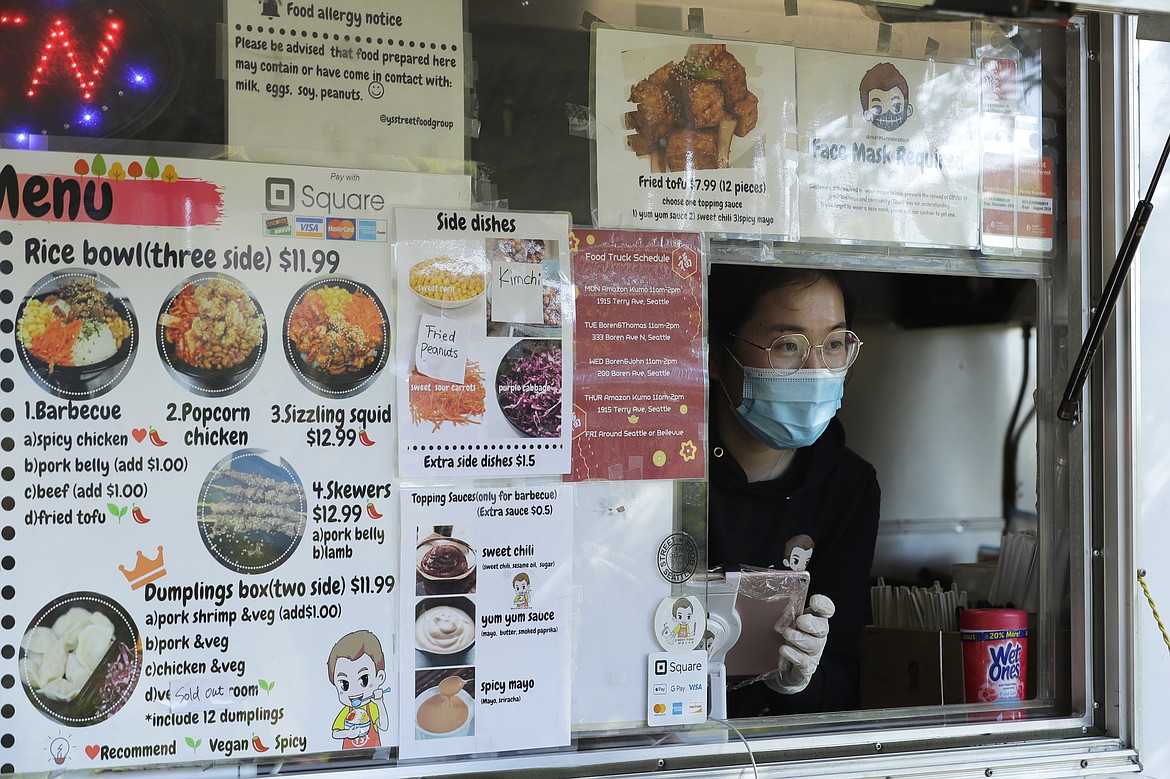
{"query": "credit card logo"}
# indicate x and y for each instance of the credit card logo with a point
(277, 225)
(310, 227)
(340, 230)
(371, 230)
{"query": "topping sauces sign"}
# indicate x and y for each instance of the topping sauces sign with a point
(491, 570)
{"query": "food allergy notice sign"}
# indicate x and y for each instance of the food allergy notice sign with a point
(347, 76)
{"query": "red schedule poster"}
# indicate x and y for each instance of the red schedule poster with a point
(639, 399)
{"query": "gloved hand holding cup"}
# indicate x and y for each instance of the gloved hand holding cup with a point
(804, 643)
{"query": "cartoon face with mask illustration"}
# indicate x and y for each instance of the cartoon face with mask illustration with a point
(885, 97)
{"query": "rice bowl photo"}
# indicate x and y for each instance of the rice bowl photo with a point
(211, 334)
(336, 336)
(76, 334)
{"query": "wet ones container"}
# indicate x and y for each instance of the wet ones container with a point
(995, 655)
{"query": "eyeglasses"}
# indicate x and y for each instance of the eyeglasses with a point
(790, 352)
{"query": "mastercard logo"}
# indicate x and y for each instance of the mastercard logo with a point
(659, 708)
(340, 230)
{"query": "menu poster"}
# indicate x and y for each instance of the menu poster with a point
(485, 343)
(889, 149)
(346, 76)
(692, 133)
(197, 515)
(639, 401)
(491, 571)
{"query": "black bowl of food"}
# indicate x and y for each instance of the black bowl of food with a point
(528, 387)
(336, 336)
(212, 334)
(252, 511)
(72, 328)
(80, 658)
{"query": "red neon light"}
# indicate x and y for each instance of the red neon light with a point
(61, 40)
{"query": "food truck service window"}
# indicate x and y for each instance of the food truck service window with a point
(587, 388)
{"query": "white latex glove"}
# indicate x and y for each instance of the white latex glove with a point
(804, 642)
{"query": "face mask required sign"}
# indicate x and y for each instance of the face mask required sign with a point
(889, 149)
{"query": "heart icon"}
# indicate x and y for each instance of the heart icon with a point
(92, 750)
(139, 434)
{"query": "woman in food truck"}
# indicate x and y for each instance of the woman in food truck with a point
(785, 491)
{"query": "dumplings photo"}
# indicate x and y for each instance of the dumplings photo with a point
(80, 659)
(58, 661)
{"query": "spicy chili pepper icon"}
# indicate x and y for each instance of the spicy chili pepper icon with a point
(139, 517)
(257, 744)
(155, 438)
(365, 439)
(372, 512)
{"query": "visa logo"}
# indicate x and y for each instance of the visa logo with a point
(310, 227)
(697, 687)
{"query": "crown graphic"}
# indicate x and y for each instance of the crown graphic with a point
(145, 570)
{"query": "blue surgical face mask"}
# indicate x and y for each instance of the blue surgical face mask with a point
(788, 412)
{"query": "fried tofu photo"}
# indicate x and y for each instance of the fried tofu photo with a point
(688, 111)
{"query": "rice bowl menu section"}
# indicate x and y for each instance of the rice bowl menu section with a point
(485, 337)
(491, 572)
(639, 405)
(201, 422)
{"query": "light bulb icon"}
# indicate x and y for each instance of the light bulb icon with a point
(59, 750)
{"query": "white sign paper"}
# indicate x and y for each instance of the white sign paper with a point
(510, 413)
(889, 150)
(691, 133)
(441, 351)
(486, 618)
(676, 688)
(346, 77)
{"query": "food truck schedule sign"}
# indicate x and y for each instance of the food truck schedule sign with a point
(347, 76)
(638, 409)
(201, 425)
(485, 337)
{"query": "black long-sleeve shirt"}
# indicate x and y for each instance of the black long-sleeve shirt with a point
(832, 496)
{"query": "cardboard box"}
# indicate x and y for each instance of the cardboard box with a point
(904, 667)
